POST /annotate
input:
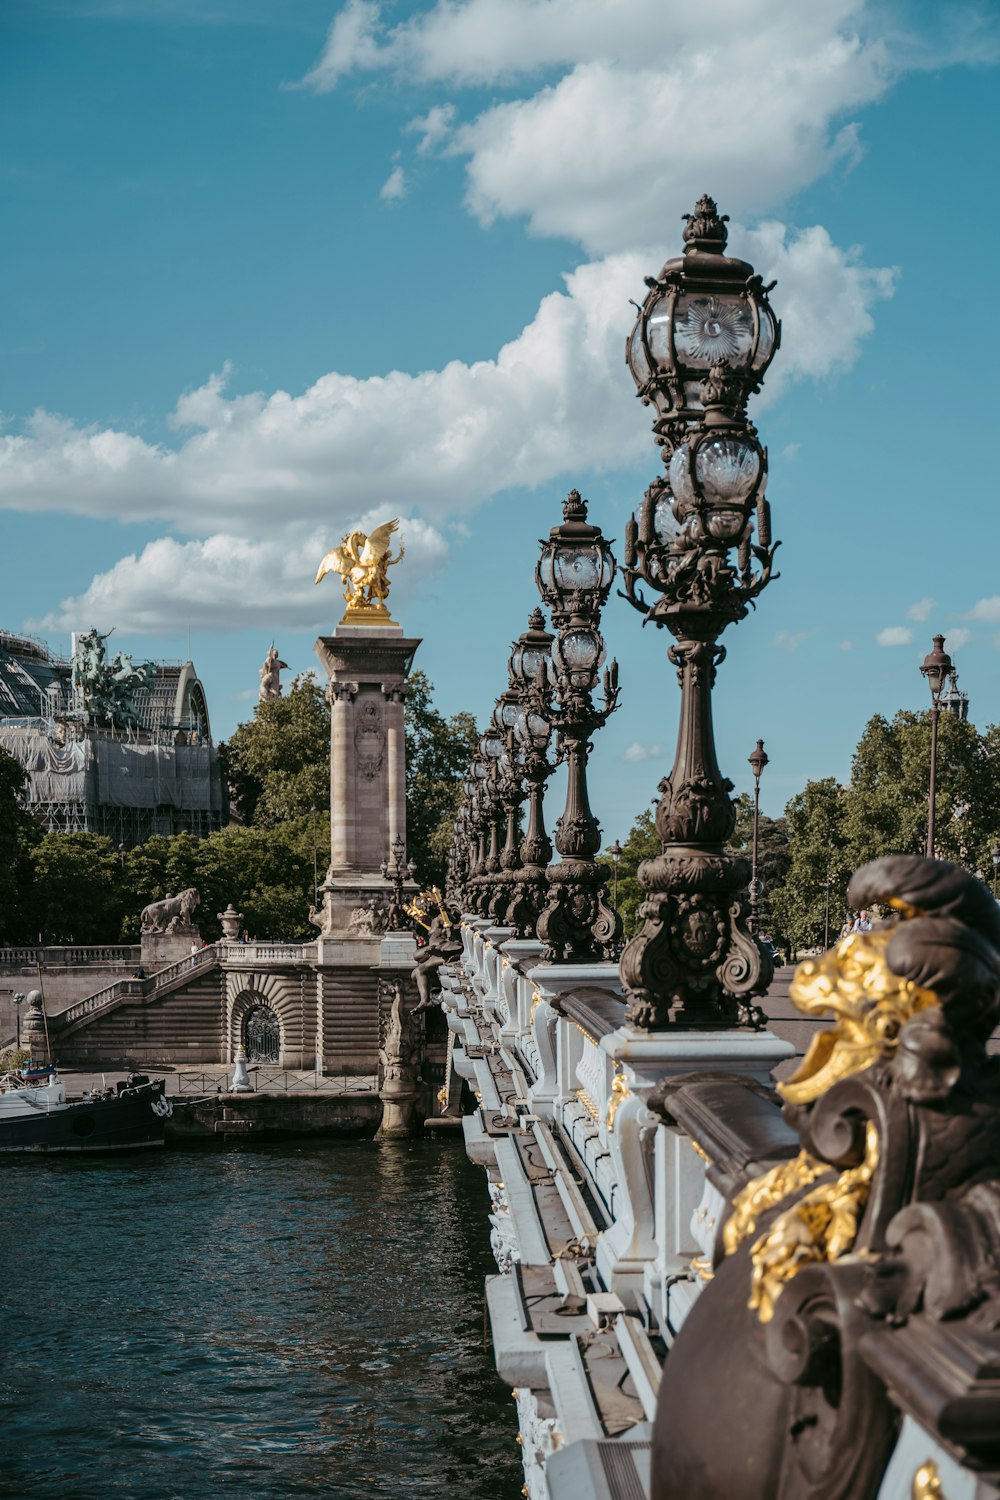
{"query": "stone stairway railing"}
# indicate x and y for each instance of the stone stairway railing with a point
(136, 989)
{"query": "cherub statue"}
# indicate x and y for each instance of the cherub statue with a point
(362, 562)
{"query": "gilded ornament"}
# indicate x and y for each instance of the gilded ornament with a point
(870, 1003)
(927, 1482)
(765, 1193)
(363, 563)
(822, 1226)
(588, 1104)
(619, 1091)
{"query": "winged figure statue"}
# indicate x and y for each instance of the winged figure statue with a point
(362, 562)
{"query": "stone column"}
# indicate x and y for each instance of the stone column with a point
(396, 757)
(342, 815)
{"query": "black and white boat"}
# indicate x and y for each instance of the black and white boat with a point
(35, 1114)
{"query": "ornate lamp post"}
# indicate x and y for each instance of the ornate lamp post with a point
(616, 854)
(574, 576)
(18, 1002)
(701, 541)
(758, 760)
(394, 873)
(936, 666)
(491, 748)
(532, 730)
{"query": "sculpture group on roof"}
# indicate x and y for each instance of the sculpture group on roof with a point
(108, 688)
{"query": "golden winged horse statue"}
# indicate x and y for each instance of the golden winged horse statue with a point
(363, 562)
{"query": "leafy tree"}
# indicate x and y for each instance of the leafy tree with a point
(76, 892)
(886, 803)
(643, 842)
(438, 751)
(18, 835)
(277, 763)
(811, 901)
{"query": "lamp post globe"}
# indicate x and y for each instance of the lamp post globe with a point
(934, 668)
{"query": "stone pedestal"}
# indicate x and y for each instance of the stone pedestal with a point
(367, 666)
(162, 948)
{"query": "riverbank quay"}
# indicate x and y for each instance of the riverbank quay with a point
(613, 1157)
(281, 1104)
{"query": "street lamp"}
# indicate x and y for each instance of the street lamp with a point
(312, 813)
(935, 667)
(121, 855)
(18, 1002)
(701, 541)
(616, 854)
(995, 856)
(574, 576)
(529, 681)
(395, 871)
(758, 760)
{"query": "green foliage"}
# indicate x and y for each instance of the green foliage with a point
(812, 898)
(438, 751)
(643, 842)
(18, 835)
(76, 889)
(277, 763)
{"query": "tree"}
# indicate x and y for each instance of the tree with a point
(811, 902)
(277, 763)
(438, 751)
(18, 835)
(76, 891)
(643, 842)
(886, 803)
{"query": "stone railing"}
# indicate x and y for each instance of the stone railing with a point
(70, 956)
(136, 989)
(612, 1157)
(263, 953)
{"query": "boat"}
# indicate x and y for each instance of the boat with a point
(35, 1114)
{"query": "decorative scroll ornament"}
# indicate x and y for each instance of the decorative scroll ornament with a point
(363, 563)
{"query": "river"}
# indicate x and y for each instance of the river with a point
(286, 1321)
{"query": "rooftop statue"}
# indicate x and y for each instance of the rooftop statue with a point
(363, 563)
(270, 676)
(857, 1279)
(108, 688)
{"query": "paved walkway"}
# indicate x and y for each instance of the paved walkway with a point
(209, 1078)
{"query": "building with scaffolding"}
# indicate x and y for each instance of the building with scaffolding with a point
(110, 748)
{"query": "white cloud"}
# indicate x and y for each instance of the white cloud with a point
(791, 451)
(394, 185)
(847, 645)
(228, 582)
(434, 128)
(895, 635)
(958, 637)
(636, 752)
(787, 640)
(921, 609)
(987, 610)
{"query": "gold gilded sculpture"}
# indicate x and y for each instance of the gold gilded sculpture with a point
(871, 1005)
(363, 563)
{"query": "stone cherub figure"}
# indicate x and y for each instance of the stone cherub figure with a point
(363, 562)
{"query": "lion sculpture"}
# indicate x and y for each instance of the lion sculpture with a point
(172, 914)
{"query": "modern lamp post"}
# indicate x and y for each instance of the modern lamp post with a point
(758, 760)
(995, 856)
(701, 541)
(935, 667)
(574, 576)
(616, 854)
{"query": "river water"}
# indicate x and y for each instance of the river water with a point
(286, 1321)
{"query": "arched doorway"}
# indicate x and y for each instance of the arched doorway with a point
(262, 1035)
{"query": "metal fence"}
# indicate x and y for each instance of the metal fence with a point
(271, 1081)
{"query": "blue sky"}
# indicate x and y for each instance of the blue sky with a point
(274, 267)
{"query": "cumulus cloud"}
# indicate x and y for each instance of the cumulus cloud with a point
(958, 637)
(227, 581)
(986, 610)
(895, 635)
(637, 752)
(433, 128)
(394, 185)
(921, 609)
